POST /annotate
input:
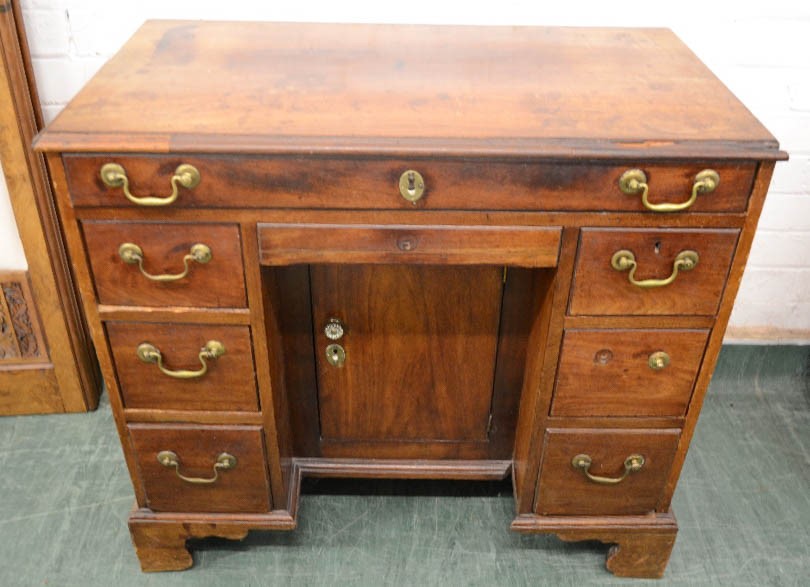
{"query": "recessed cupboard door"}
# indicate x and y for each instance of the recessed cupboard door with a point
(405, 353)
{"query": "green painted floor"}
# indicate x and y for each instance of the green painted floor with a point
(743, 504)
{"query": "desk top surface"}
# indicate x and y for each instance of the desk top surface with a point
(282, 87)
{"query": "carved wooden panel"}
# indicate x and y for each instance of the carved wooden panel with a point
(20, 332)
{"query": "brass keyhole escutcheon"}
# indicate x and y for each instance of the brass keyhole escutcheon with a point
(411, 185)
(335, 355)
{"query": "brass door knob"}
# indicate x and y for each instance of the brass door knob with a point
(334, 329)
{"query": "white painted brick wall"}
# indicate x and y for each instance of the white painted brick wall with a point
(760, 50)
(11, 253)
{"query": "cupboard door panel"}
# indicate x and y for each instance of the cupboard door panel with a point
(420, 345)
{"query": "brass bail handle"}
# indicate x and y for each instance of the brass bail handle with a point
(634, 181)
(624, 260)
(149, 353)
(169, 459)
(632, 464)
(114, 176)
(132, 254)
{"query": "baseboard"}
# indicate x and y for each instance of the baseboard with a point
(767, 335)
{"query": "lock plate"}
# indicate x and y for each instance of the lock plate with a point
(411, 185)
(335, 355)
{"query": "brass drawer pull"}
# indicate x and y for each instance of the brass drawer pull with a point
(131, 254)
(114, 175)
(624, 260)
(149, 353)
(634, 181)
(632, 464)
(170, 459)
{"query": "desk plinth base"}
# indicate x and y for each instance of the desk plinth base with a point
(641, 545)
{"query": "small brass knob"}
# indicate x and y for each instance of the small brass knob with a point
(334, 329)
(411, 186)
(658, 360)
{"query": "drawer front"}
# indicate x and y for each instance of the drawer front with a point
(522, 246)
(373, 183)
(602, 288)
(566, 490)
(228, 382)
(224, 468)
(152, 272)
(627, 372)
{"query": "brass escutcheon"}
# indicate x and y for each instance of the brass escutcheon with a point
(411, 185)
(335, 355)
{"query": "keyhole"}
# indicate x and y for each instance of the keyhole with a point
(411, 183)
(657, 247)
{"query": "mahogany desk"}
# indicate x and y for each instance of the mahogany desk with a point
(407, 252)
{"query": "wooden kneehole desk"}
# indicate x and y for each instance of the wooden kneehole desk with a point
(407, 252)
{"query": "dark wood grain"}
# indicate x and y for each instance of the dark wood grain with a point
(218, 283)
(373, 183)
(287, 244)
(562, 489)
(600, 289)
(229, 383)
(309, 87)
(606, 372)
(241, 489)
(398, 319)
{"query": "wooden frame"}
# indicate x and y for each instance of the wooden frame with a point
(64, 376)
